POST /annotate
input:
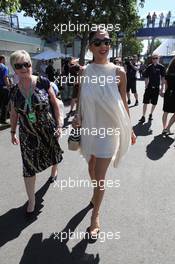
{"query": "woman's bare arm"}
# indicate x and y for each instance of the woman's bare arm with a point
(122, 86)
(122, 89)
(55, 105)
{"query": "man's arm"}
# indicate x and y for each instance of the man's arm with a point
(162, 80)
(136, 68)
(146, 82)
(6, 78)
(146, 76)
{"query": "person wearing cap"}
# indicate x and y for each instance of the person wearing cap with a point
(154, 77)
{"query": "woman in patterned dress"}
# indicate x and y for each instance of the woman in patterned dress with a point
(38, 129)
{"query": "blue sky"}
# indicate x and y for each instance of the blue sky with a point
(150, 6)
(157, 6)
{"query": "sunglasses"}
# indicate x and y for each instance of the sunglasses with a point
(98, 42)
(155, 58)
(19, 66)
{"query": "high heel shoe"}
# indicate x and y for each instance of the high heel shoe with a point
(52, 179)
(91, 204)
(30, 214)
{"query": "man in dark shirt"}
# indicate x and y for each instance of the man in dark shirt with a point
(154, 76)
(4, 92)
(50, 71)
(131, 69)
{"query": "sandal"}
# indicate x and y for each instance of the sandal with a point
(93, 233)
(52, 179)
(29, 214)
(91, 204)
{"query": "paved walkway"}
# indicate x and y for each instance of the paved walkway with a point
(141, 211)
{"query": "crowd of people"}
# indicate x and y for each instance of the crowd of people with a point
(97, 106)
(151, 19)
(159, 81)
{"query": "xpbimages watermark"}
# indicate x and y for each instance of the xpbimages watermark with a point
(102, 80)
(101, 132)
(77, 27)
(70, 235)
(86, 183)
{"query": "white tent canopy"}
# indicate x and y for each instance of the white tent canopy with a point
(50, 54)
(167, 48)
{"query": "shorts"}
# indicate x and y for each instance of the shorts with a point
(131, 85)
(151, 95)
(169, 99)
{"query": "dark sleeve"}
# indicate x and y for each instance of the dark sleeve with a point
(146, 72)
(5, 72)
(162, 71)
(45, 83)
(12, 93)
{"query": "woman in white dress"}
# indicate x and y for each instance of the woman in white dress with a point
(106, 131)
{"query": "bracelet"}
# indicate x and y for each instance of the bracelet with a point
(13, 132)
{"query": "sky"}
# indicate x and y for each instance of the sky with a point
(150, 6)
(158, 6)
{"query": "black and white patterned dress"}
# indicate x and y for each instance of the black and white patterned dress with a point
(39, 145)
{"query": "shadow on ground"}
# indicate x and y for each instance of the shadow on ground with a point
(14, 221)
(143, 129)
(158, 147)
(54, 249)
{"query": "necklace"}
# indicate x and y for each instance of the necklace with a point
(31, 116)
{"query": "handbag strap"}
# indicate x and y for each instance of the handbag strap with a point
(78, 109)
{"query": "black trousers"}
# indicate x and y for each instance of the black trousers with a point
(4, 99)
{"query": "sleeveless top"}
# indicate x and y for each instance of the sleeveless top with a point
(106, 127)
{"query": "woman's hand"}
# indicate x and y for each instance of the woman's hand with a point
(76, 121)
(58, 131)
(133, 138)
(14, 139)
(161, 94)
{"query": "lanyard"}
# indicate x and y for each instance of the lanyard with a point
(28, 99)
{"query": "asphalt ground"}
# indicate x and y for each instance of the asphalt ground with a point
(137, 215)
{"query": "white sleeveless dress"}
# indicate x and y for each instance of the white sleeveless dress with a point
(106, 127)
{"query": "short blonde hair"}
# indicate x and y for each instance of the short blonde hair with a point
(19, 54)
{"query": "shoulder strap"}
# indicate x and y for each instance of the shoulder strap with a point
(45, 82)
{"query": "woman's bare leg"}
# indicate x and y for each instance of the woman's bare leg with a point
(164, 119)
(30, 189)
(101, 167)
(91, 168)
(171, 122)
(54, 170)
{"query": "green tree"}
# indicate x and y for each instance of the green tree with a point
(152, 45)
(9, 6)
(55, 12)
(131, 46)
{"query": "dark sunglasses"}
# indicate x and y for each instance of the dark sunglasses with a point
(19, 66)
(98, 42)
(155, 58)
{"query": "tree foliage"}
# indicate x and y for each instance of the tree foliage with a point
(131, 46)
(9, 6)
(55, 12)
